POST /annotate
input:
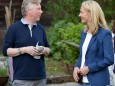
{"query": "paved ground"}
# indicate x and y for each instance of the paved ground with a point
(64, 84)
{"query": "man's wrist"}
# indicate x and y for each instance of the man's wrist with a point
(19, 51)
(23, 50)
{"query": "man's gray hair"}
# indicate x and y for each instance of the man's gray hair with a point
(28, 4)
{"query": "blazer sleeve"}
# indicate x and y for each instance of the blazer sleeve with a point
(78, 61)
(108, 55)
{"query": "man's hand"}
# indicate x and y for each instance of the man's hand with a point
(45, 51)
(29, 50)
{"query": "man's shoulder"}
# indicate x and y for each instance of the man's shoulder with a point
(16, 24)
(40, 25)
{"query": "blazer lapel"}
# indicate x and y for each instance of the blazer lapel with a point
(83, 38)
(83, 35)
(91, 42)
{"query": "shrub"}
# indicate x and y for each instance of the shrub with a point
(69, 9)
(64, 9)
(3, 72)
(64, 31)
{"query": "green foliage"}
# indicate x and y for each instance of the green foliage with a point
(71, 33)
(108, 6)
(64, 31)
(64, 9)
(54, 38)
(3, 72)
(69, 9)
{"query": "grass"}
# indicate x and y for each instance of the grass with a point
(53, 67)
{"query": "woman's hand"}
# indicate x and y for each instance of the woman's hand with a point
(84, 70)
(75, 74)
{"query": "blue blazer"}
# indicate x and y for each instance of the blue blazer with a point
(99, 56)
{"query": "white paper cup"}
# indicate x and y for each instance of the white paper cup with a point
(40, 48)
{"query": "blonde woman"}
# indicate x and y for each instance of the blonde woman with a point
(96, 50)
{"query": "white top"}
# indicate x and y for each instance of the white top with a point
(113, 45)
(113, 34)
(84, 50)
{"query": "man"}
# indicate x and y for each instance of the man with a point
(20, 42)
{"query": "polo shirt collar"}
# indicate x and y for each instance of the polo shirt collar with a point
(26, 23)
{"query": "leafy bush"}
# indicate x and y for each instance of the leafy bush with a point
(3, 72)
(71, 33)
(64, 31)
(54, 38)
(108, 6)
(69, 9)
(65, 9)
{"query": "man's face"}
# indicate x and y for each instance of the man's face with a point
(35, 12)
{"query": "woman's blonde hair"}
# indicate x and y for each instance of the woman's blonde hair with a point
(28, 4)
(97, 16)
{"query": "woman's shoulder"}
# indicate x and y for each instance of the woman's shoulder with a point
(104, 31)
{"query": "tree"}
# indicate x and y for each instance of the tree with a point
(69, 9)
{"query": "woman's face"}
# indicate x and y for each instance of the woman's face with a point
(84, 15)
